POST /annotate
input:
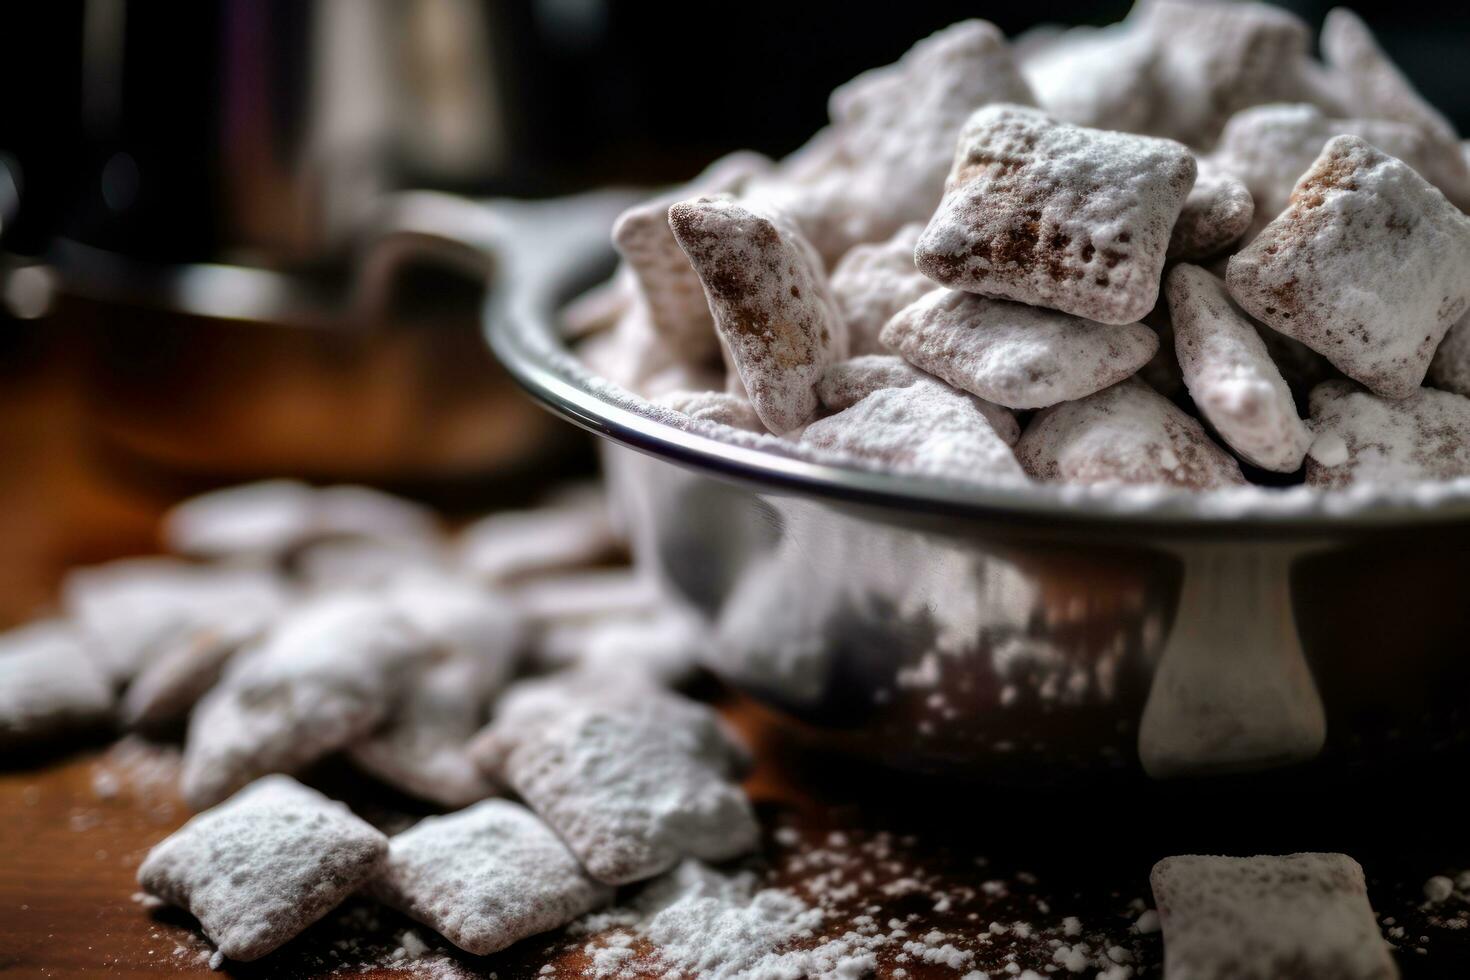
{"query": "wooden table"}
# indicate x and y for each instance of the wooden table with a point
(75, 823)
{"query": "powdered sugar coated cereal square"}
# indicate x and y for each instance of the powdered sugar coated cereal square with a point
(1055, 215)
(261, 867)
(1364, 439)
(770, 300)
(1366, 266)
(926, 429)
(48, 684)
(632, 777)
(486, 877)
(1126, 434)
(873, 282)
(330, 672)
(1267, 917)
(1015, 355)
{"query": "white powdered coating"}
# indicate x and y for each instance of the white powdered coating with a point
(1124, 434)
(928, 429)
(1015, 355)
(1450, 369)
(486, 877)
(422, 748)
(274, 517)
(363, 563)
(873, 282)
(1364, 439)
(882, 162)
(1267, 917)
(714, 406)
(184, 668)
(1102, 79)
(573, 596)
(1374, 82)
(666, 646)
(1269, 147)
(1214, 58)
(1056, 215)
(1230, 374)
(899, 123)
(634, 778)
(327, 674)
(260, 868)
(600, 307)
(1217, 212)
(848, 382)
(134, 609)
(631, 353)
(48, 684)
(771, 305)
(569, 531)
(1366, 266)
(675, 299)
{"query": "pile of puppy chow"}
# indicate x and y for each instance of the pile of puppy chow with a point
(1143, 254)
(301, 623)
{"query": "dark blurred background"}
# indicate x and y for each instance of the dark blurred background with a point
(186, 189)
(127, 124)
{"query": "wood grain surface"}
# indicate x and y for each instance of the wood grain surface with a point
(957, 858)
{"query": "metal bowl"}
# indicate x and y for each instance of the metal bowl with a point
(1037, 633)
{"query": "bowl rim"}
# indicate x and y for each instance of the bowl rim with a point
(521, 322)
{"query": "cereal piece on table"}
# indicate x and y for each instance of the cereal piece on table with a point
(1126, 434)
(569, 531)
(275, 517)
(898, 123)
(134, 609)
(1269, 147)
(873, 282)
(1231, 376)
(634, 778)
(1364, 439)
(1014, 355)
(363, 563)
(421, 750)
(1217, 212)
(927, 429)
(1450, 369)
(1101, 78)
(771, 304)
(48, 685)
(1056, 215)
(714, 406)
(1215, 58)
(667, 646)
(1375, 84)
(1265, 917)
(1366, 266)
(486, 877)
(584, 595)
(326, 675)
(677, 309)
(261, 867)
(186, 667)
